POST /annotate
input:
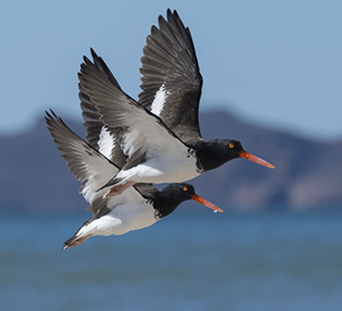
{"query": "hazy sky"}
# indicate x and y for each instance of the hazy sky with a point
(276, 63)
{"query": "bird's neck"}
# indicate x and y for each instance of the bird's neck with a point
(165, 203)
(212, 154)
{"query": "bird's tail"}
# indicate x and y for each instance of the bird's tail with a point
(79, 237)
(75, 241)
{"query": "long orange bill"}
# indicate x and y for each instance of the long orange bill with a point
(252, 158)
(206, 203)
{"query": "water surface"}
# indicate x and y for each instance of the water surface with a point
(184, 262)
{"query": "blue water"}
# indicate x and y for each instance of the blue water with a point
(184, 262)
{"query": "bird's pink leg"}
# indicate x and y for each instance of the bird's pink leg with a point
(118, 189)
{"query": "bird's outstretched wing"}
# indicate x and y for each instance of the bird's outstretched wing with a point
(99, 136)
(171, 82)
(140, 132)
(89, 166)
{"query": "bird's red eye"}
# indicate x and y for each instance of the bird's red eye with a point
(231, 146)
(185, 189)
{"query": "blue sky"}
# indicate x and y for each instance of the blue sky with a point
(275, 63)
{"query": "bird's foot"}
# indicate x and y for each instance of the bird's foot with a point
(118, 189)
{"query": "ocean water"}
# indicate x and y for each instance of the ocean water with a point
(206, 261)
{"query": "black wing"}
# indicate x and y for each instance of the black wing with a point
(85, 163)
(171, 83)
(101, 138)
(98, 134)
(140, 130)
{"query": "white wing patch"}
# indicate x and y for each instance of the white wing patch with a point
(159, 101)
(106, 142)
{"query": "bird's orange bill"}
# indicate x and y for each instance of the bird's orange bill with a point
(206, 203)
(252, 158)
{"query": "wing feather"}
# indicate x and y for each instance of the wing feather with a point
(170, 62)
(92, 169)
(141, 131)
(85, 163)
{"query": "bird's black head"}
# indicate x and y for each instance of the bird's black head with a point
(179, 192)
(174, 194)
(232, 148)
(216, 152)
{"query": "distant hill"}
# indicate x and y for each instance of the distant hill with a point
(308, 173)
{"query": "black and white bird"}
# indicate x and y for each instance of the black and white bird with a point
(139, 207)
(160, 135)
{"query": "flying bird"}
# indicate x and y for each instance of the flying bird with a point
(160, 134)
(139, 207)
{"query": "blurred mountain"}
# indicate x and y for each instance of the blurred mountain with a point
(308, 174)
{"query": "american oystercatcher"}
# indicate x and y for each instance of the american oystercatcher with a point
(160, 135)
(137, 208)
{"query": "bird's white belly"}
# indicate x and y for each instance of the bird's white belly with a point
(167, 169)
(121, 220)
